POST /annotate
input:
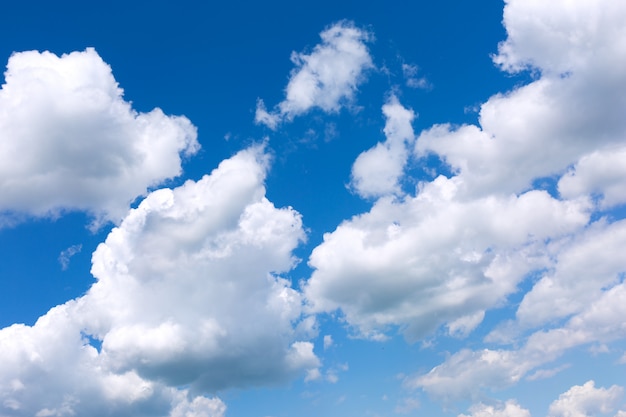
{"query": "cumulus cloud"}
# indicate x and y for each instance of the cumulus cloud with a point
(579, 401)
(595, 256)
(188, 293)
(409, 72)
(586, 400)
(572, 111)
(50, 369)
(376, 172)
(71, 141)
(327, 78)
(600, 173)
(434, 258)
(467, 372)
(508, 409)
(461, 244)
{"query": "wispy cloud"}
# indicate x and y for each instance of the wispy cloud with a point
(66, 255)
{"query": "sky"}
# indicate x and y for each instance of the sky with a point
(340, 209)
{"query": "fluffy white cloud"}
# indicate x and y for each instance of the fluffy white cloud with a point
(592, 262)
(601, 173)
(71, 142)
(508, 409)
(188, 294)
(194, 272)
(573, 109)
(586, 400)
(327, 78)
(467, 372)
(463, 243)
(423, 261)
(50, 369)
(376, 171)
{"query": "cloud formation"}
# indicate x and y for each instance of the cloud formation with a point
(565, 125)
(376, 172)
(189, 294)
(585, 400)
(71, 142)
(327, 78)
(508, 409)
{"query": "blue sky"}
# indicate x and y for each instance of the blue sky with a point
(341, 209)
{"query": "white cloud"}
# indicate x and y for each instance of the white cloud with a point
(194, 271)
(574, 109)
(600, 172)
(508, 409)
(432, 259)
(199, 407)
(328, 341)
(466, 373)
(376, 171)
(546, 373)
(327, 78)
(409, 73)
(585, 267)
(71, 142)
(66, 255)
(461, 245)
(188, 293)
(49, 369)
(407, 405)
(586, 400)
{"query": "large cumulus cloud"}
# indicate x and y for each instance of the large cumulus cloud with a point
(71, 142)
(527, 193)
(189, 293)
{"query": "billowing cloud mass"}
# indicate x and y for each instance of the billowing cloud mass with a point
(518, 218)
(509, 409)
(71, 142)
(327, 78)
(189, 294)
(462, 244)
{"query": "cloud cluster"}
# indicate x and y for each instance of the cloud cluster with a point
(434, 258)
(71, 142)
(189, 294)
(461, 244)
(327, 78)
(579, 401)
(190, 287)
(572, 109)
